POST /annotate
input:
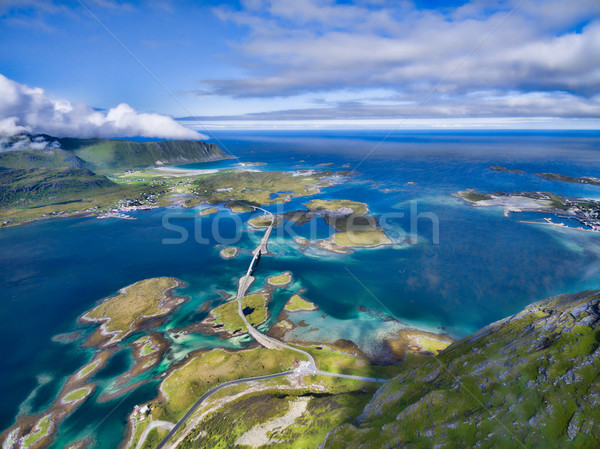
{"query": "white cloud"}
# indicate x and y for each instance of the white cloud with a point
(542, 53)
(26, 109)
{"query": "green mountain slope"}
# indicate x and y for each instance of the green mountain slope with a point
(109, 155)
(49, 158)
(43, 186)
(531, 380)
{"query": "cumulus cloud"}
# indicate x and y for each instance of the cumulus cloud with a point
(26, 109)
(536, 58)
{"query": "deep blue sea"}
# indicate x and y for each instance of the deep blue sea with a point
(483, 267)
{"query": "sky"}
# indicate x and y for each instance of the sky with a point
(112, 67)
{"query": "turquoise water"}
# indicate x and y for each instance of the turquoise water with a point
(485, 266)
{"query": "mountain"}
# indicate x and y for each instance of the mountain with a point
(109, 155)
(530, 380)
(106, 155)
(48, 158)
(44, 186)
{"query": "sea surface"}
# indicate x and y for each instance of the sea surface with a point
(463, 268)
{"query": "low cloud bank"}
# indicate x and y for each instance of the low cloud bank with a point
(29, 110)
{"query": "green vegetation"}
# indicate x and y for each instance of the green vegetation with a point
(374, 237)
(76, 395)
(533, 373)
(123, 313)
(573, 179)
(186, 384)
(27, 195)
(507, 170)
(49, 158)
(58, 181)
(110, 155)
(254, 306)
(253, 188)
(263, 221)
(88, 369)
(473, 196)
(208, 211)
(297, 302)
(334, 361)
(344, 207)
(41, 430)
(155, 436)
(228, 253)
(146, 346)
(320, 413)
(432, 345)
(280, 279)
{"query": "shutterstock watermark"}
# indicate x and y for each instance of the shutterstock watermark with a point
(342, 226)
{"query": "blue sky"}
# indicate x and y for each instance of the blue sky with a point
(513, 63)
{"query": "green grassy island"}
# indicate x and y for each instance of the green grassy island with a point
(208, 211)
(228, 253)
(297, 302)
(76, 395)
(226, 317)
(124, 313)
(280, 280)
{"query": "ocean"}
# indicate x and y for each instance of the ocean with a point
(463, 268)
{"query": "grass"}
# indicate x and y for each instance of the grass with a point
(76, 395)
(473, 196)
(373, 237)
(208, 211)
(184, 385)
(432, 345)
(88, 369)
(297, 302)
(333, 361)
(27, 195)
(254, 188)
(228, 253)
(323, 412)
(227, 314)
(41, 430)
(122, 313)
(346, 206)
(261, 222)
(280, 279)
(147, 346)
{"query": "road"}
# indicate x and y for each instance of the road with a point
(152, 425)
(207, 394)
(267, 342)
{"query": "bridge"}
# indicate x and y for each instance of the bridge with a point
(307, 367)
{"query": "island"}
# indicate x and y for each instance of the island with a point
(297, 303)
(354, 228)
(135, 304)
(208, 211)
(280, 280)
(228, 253)
(507, 170)
(573, 179)
(584, 211)
(225, 318)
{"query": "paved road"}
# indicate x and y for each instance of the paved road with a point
(164, 424)
(207, 394)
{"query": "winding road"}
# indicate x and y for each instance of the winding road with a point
(309, 367)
